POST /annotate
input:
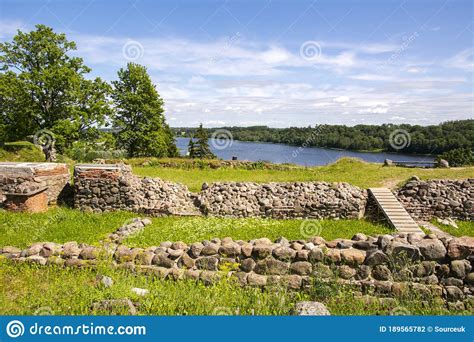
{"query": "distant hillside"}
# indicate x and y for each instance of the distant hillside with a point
(404, 138)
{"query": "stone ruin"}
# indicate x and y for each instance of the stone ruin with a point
(108, 187)
(414, 265)
(443, 198)
(113, 187)
(29, 185)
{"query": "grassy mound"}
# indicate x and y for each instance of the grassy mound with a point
(21, 151)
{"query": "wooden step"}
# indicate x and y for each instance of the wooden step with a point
(394, 211)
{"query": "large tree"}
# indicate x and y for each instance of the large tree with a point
(43, 87)
(140, 120)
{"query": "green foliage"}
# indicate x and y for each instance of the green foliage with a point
(82, 151)
(140, 119)
(21, 151)
(43, 87)
(423, 139)
(199, 146)
(458, 157)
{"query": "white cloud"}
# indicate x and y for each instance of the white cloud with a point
(463, 60)
(341, 99)
(246, 82)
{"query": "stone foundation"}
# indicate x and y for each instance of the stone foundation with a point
(27, 177)
(114, 187)
(438, 198)
(385, 265)
(108, 187)
(284, 200)
(35, 202)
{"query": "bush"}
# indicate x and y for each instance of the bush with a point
(87, 152)
(458, 157)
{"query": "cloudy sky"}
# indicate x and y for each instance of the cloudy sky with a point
(277, 63)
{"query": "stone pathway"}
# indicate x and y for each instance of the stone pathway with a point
(435, 230)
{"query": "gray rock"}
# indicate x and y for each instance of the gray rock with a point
(381, 272)
(271, 266)
(105, 280)
(247, 265)
(115, 306)
(460, 268)
(453, 293)
(376, 258)
(432, 249)
(301, 268)
(207, 263)
(284, 253)
(311, 309)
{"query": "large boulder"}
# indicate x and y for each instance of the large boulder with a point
(432, 249)
(400, 250)
(461, 248)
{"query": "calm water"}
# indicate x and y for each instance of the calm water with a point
(281, 153)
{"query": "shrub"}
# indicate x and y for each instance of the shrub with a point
(458, 157)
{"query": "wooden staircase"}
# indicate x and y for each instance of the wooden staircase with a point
(395, 213)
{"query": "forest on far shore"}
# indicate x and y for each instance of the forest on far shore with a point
(434, 139)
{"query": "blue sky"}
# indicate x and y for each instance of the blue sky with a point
(277, 63)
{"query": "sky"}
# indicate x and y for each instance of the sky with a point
(277, 63)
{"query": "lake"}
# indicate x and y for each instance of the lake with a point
(282, 153)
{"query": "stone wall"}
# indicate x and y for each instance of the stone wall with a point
(441, 198)
(113, 187)
(283, 200)
(27, 177)
(385, 265)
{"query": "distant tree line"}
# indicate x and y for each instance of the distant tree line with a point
(435, 139)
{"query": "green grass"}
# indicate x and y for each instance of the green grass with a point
(30, 289)
(72, 291)
(348, 170)
(205, 228)
(21, 151)
(61, 225)
(58, 225)
(465, 228)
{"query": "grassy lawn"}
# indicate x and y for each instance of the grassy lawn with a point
(465, 228)
(193, 229)
(72, 291)
(58, 225)
(62, 225)
(345, 170)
